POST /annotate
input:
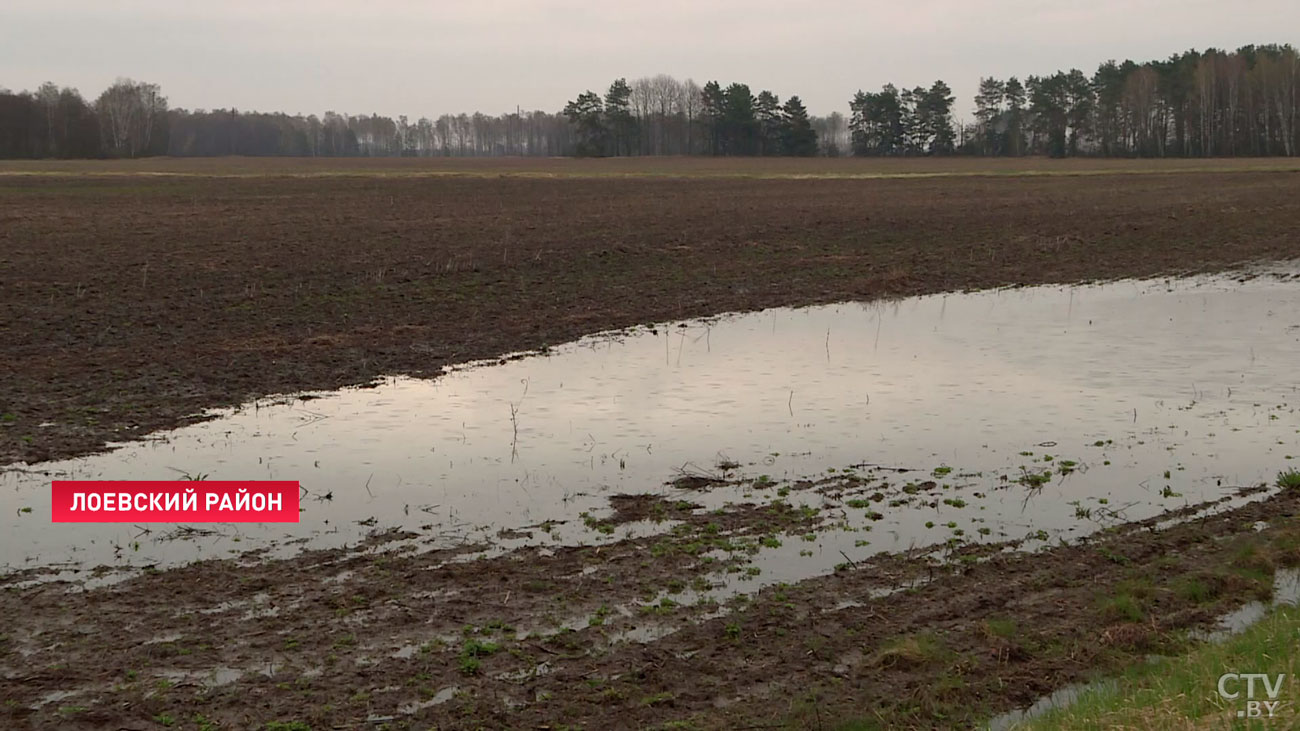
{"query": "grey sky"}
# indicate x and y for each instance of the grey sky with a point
(427, 58)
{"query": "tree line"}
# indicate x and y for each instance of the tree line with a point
(662, 116)
(1211, 103)
(132, 119)
(1214, 103)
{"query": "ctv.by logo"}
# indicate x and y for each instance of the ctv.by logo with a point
(1231, 686)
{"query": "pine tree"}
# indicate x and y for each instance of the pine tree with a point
(740, 125)
(1015, 117)
(767, 111)
(935, 114)
(586, 113)
(712, 103)
(798, 138)
(618, 117)
(877, 124)
(989, 116)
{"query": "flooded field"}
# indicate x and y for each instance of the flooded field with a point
(749, 519)
(1034, 413)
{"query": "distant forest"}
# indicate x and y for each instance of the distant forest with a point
(1194, 104)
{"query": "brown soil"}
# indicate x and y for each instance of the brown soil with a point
(128, 304)
(725, 167)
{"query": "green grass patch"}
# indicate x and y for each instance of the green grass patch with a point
(1182, 692)
(1123, 608)
(1000, 627)
(911, 651)
(1289, 480)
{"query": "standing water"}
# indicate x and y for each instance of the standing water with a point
(1046, 411)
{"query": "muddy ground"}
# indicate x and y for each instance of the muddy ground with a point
(617, 636)
(130, 303)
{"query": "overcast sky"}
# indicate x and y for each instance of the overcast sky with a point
(425, 58)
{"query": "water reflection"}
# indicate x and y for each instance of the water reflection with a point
(1158, 393)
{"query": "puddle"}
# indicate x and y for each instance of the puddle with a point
(1286, 591)
(1060, 699)
(442, 696)
(412, 649)
(1137, 397)
(56, 696)
(543, 668)
(405, 652)
(644, 633)
(210, 677)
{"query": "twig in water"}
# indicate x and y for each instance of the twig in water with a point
(691, 477)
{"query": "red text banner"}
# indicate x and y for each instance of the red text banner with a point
(174, 501)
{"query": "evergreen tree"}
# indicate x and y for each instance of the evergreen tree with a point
(1015, 134)
(621, 125)
(798, 138)
(1080, 110)
(914, 140)
(739, 123)
(877, 122)
(1108, 81)
(934, 114)
(586, 113)
(989, 111)
(1049, 103)
(712, 106)
(767, 111)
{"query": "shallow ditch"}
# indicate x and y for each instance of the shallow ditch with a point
(1286, 592)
